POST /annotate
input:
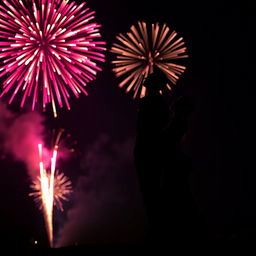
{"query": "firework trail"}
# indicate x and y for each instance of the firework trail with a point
(142, 50)
(48, 49)
(50, 188)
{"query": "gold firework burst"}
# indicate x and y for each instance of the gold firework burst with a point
(142, 50)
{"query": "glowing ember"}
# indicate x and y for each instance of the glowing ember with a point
(48, 48)
(142, 50)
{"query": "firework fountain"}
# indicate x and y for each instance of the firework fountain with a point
(48, 49)
(144, 49)
(50, 188)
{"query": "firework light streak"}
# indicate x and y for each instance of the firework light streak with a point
(50, 189)
(48, 48)
(142, 50)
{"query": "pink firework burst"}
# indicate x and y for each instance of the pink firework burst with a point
(144, 48)
(48, 50)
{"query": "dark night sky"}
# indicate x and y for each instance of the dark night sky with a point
(218, 78)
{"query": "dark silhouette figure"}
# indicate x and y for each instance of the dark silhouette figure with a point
(163, 169)
(153, 115)
(178, 212)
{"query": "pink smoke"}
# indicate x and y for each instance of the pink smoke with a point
(107, 207)
(20, 136)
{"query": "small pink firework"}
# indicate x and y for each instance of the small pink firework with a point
(48, 48)
(142, 50)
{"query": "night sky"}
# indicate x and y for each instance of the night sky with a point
(220, 81)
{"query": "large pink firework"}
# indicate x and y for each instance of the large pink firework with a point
(48, 50)
(143, 49)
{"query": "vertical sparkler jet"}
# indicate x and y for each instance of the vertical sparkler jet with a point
(50, 188)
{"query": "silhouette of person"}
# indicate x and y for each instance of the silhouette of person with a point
(153, 115)
(178, 207)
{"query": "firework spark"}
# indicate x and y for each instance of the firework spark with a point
(50, 189)
(48, 49)
(142, 50)
(62, 189)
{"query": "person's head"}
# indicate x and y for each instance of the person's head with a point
(183, 106)
(156, 81)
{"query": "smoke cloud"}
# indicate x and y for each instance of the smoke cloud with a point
(107, 205)
(20, 135)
